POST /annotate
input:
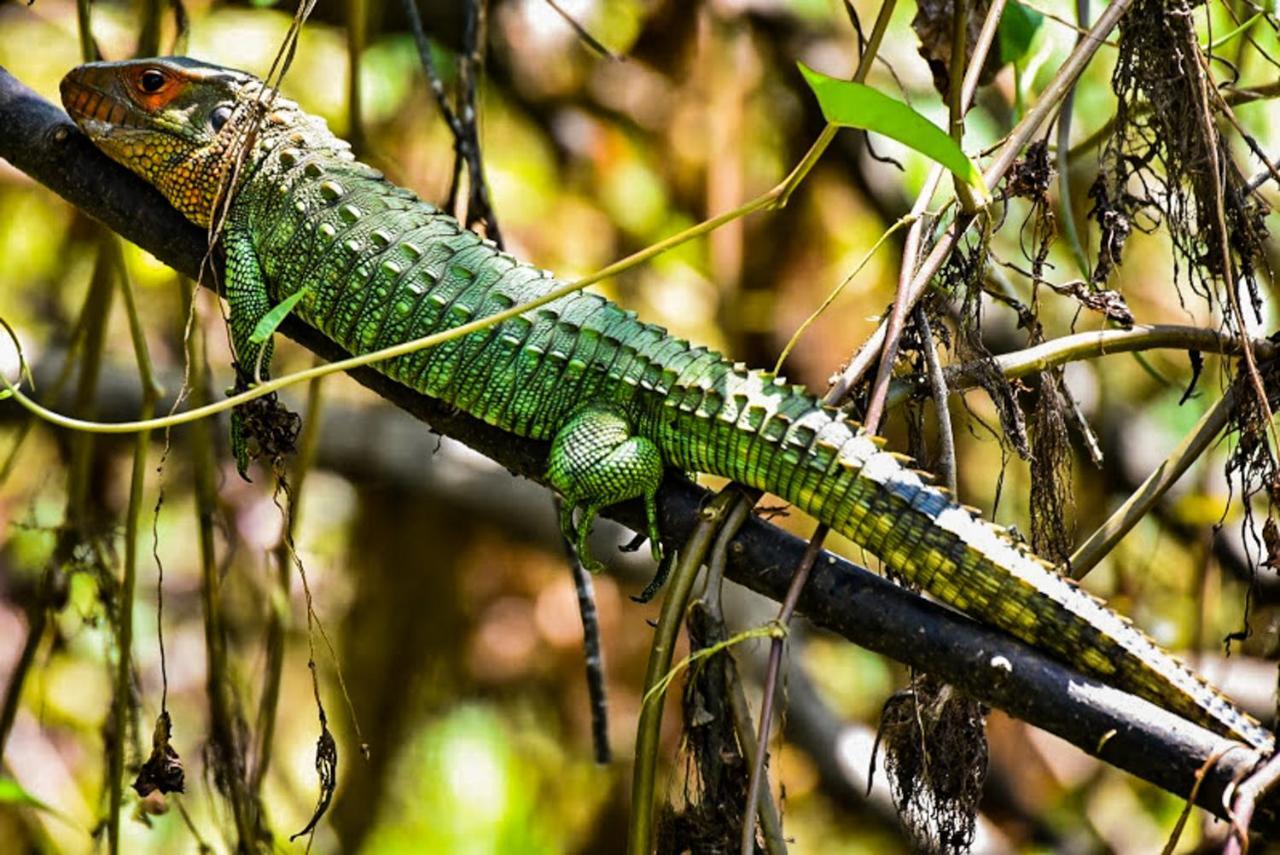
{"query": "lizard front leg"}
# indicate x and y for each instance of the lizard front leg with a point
(264, 422)
(596, 462)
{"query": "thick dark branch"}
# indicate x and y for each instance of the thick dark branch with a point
(1132, 734)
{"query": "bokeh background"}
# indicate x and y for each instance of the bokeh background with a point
(438, 578)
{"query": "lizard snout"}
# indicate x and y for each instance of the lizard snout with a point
(84, 101)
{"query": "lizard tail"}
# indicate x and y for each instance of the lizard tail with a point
(780, 439)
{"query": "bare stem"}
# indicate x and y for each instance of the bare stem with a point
(122, 706)
(225, 748)
(278, 616)
(1090, 345)
(776, 649)
(357, 18)
(1005, 158)
(1067, 215)
(743, 724)
(938, 385)
(1259, 784)
(649, 726)
(1134, 508)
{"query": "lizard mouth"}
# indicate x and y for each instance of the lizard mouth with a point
(90, 107)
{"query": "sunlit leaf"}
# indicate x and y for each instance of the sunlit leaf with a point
(12, 793)
(275, 317)
(1018, 28)
(854, 105)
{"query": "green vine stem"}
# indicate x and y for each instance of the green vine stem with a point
(774, 198)
(1090, 345)
(151, 392)
(1134, 508)
(739, 709)
(226, 751)
(671, 618)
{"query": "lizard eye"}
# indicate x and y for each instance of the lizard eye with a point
(151, 80)
(219, 117)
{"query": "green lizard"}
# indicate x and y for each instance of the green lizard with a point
(369, 264)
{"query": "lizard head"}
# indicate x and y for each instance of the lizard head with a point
(174, 121)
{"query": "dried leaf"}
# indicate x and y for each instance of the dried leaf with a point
(327, 769)
(163, 770)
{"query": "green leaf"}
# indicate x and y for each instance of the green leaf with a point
(276, 316)
(1018, 27)
(11, 793)
(854, 105)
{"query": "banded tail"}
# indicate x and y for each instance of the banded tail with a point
(780, 438)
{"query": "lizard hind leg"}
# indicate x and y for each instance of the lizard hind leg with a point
(596, 461)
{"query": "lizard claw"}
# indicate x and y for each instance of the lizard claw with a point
(575, 534)
(659, 579)
(240, 444)
(240, 432)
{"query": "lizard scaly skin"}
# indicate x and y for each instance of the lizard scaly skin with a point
(617, 398)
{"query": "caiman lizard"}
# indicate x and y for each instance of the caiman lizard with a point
(619, 399)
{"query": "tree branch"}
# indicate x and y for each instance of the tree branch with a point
(1130, 733)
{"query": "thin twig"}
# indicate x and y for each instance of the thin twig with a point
(1257, 785)
(462, 121)
(1135, 508)
(649, 725)
(906, 271)
(1008, 153)
(745, 729)
(1171, 844)
(776, 648)
(1090, 345)
(122, 702)
(938, 384)
(865, 60)
(582, 32)
(278, 613)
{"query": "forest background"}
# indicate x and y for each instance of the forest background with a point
(440, 581)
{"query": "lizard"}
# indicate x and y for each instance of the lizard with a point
(369, 264)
